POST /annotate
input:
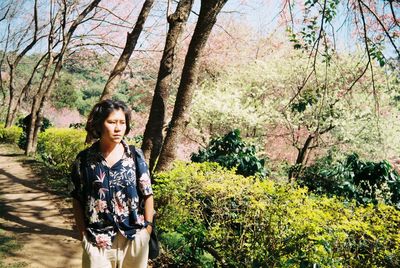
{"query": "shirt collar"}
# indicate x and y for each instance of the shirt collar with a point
(95, 148)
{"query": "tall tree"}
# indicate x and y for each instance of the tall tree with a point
(54, 66)
(130, 45)
(15, 93)
(153, 135)
(209, 11)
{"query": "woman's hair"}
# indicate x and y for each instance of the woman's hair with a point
(99, 114)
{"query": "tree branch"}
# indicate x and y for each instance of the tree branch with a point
(393, 13)
(368, 54)
(5, 14)
(383, 26)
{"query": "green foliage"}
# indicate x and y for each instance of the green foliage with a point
(353, 178)
(83, 79)
(10, 135)
(211, 217)
(376, 52)
(263, 100)
(65, 94)
(77, 125)
(231, 152)
(307, 98)
(59, 147)
(24, 124)
(128, 95)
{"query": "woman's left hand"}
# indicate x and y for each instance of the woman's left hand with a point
(149, 228)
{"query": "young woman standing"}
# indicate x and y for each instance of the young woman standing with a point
(112, 194)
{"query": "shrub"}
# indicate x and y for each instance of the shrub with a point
(24, 124)
(59, 147)
(353, 178)
(10, 135)
(230, 151)
(210, 217)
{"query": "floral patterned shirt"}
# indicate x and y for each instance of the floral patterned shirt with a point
(112, 198)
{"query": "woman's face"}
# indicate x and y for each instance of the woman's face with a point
(114, 127)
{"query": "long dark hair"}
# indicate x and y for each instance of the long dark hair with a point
(99, 114)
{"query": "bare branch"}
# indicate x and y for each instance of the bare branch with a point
(101, 44)
(290, 12)
(28, 84)
(321, 29)
(393, 13)
(353, 84)
(110, 23)
(315, 47)
(1, 64)
(368, 54)
(383, 26)
(5, 14)
(116, 16)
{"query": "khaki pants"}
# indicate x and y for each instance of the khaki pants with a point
(123, 254)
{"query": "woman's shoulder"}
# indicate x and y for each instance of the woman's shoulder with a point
(89, 152)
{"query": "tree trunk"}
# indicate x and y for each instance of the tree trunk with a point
(14, 95)
(153, 134)
(46, 88)
(301, 157)
(35, 124)
(12, 104)
(180, 118)
(130, 44)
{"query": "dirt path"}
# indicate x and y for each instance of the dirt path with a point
(35, 217)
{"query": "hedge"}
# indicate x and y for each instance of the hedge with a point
(10, 134)
(59, 147)
(211, 217)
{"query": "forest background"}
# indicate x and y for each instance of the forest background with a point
(294, 93)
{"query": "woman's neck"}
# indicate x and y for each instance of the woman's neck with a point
(107, 148)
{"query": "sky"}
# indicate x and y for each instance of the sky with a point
(261, 15)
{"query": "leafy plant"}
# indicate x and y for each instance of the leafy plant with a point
(211, 217)
(24, 124)
(59, 147)
(10, 135)
(353, 178)
(231, 152)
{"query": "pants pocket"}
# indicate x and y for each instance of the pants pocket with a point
(145, 236)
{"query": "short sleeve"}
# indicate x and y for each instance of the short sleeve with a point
(75, 183)
(143, 175)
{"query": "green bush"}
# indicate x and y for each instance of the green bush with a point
(10, 135)
(353, 178)
(231, 152)
(59, 147)
(212, 217)
(24, 124)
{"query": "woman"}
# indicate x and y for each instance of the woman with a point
(112, 194)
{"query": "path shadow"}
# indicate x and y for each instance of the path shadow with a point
(11, 154)
(27, 226)
(33, 184)
(31, 227)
